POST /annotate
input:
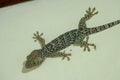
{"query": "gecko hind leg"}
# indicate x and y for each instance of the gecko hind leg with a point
(88, 15)
(37, 37)
(86, 45)
(60, 54)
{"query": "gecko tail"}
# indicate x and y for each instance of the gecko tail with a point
(102, 27)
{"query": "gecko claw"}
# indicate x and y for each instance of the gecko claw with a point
(93, 45)
(86, 47)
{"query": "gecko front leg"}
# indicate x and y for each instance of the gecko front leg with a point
(59, 54)
(37, 37)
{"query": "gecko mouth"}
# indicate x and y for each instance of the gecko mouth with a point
(36, 62)
(26, 67)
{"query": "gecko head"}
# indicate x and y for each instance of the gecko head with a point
(35, 58)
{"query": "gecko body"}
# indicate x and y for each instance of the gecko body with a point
(68, 38)
(76, 36)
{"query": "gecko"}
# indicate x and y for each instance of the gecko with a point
(78, 37)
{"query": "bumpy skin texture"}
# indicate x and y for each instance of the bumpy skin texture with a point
(76, 37)
(61, 42)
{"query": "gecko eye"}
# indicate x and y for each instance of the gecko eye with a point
(33, 63)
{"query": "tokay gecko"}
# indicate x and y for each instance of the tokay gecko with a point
(75, 37)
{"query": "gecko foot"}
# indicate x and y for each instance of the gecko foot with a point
(37, 37)
(66, 56)
(90, 12)
(86, 46)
